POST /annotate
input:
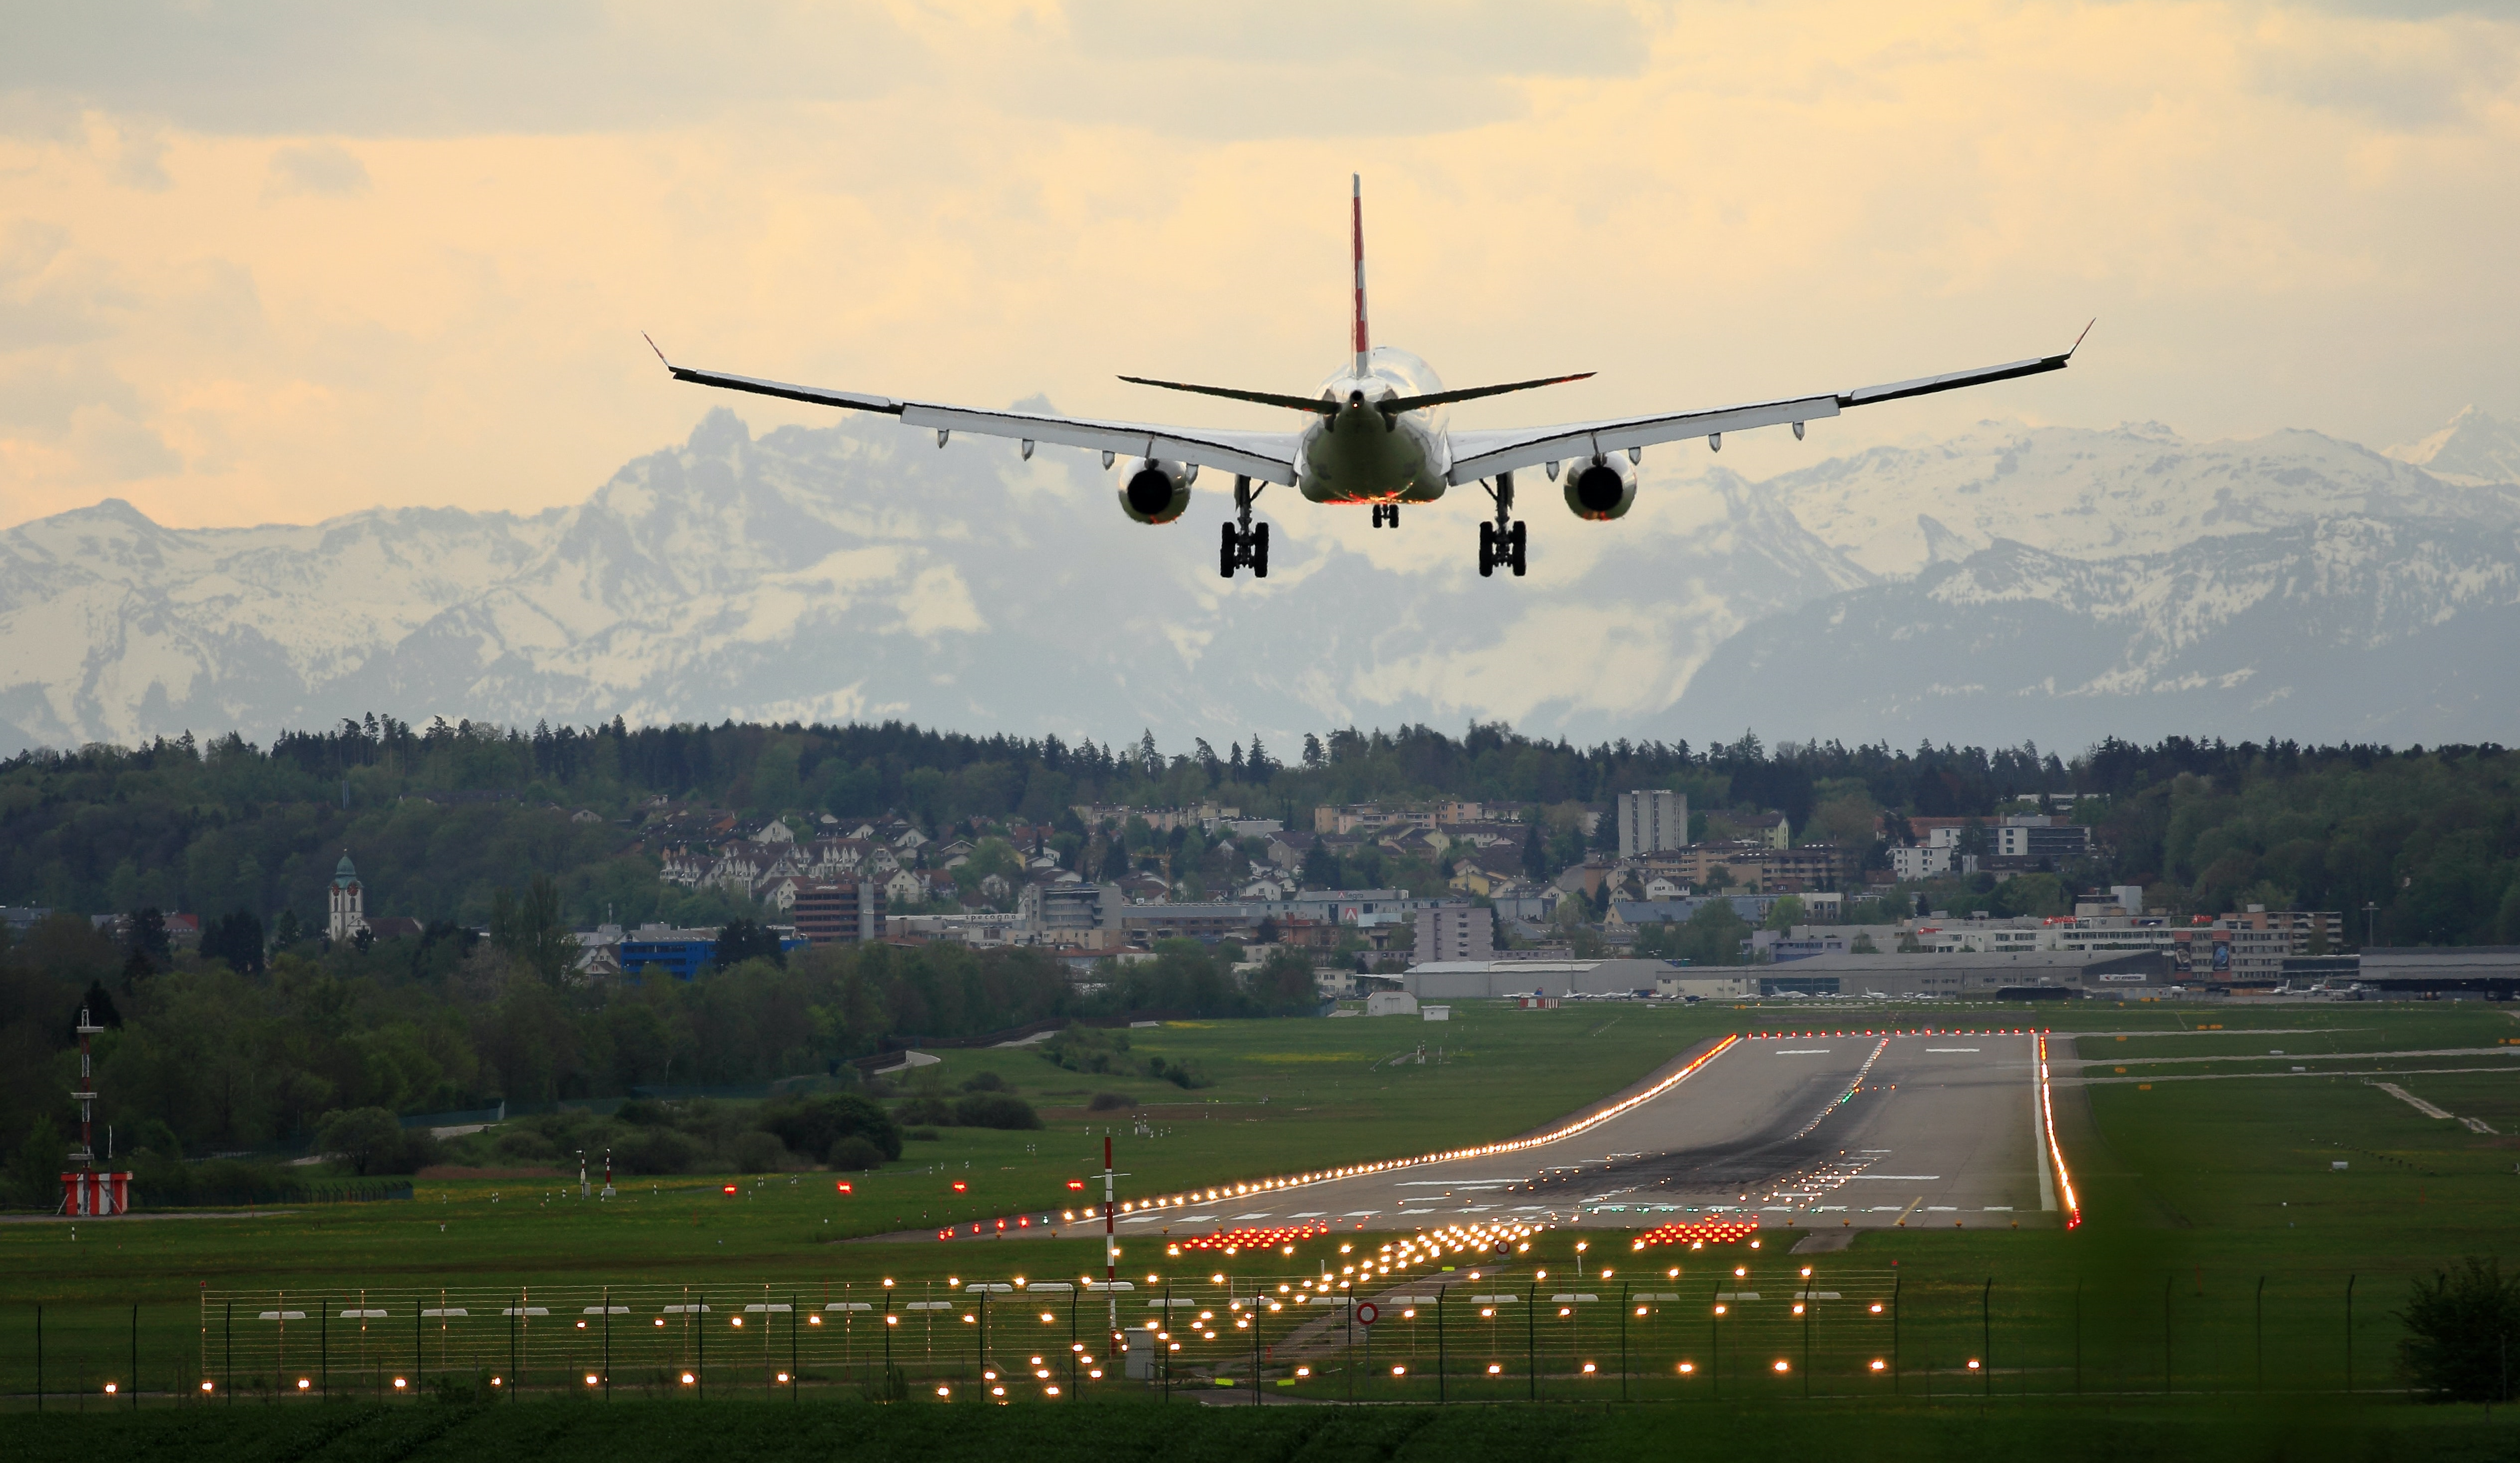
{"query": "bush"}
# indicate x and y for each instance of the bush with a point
(2462, 1327)
(996, 1110)
(758, 1152)
(926, 1108)
(925, 1136)
(1104, 1102)
(657, 1150)
(1180, 1074)
(643, 1112)
(525, 1146)
(814, 1125)
(985, 1081)
(855, 1155)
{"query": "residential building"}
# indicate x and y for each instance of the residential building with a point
(1651, 821)
(1455, 932)
(2037, 837)
(833, 910)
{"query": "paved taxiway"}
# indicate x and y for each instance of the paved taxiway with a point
(1818, 1131)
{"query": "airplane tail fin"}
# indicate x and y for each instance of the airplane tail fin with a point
(1359, 342)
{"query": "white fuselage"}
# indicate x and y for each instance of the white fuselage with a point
(1364, 455)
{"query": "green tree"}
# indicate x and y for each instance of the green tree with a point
(743, 940)
(2463, 1329)
(1786, 914)
(36, 1169)
(531, 931)
(366, 1138)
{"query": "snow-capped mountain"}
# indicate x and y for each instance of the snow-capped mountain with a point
(2054, 583)
(858, 571)
(2133, 490)
(2474, 450)
(2348, 629)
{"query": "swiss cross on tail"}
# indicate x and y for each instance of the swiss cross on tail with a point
(1378, 432)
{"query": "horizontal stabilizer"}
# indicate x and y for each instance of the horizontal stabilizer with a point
(1264, 398)
(1473, 393)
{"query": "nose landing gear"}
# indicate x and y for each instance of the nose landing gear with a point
(1244, 541)
(1502, 541)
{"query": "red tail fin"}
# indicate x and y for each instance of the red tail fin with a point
(1356, 236)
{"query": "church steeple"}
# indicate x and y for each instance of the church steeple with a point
(346, 911)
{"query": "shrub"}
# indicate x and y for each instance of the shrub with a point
(855, 1155)
(1104, 1102)
(924, 1135)
(643, 1112)
(927, 1108)
(996, 1110)
(985, 1081)
(523, 1145)
(657, 1150)
(813, 1125)
(758, 1152)
(2462, 1327)
(1180, 1074)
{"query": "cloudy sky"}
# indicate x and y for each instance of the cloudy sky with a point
(276, 261)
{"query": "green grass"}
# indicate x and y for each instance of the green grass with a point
(2193, 1190)
(1184, 1433)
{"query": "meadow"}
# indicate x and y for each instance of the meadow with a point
(2223, 1262)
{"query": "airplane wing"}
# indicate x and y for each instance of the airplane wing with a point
(1267, 456)
(1484, 454)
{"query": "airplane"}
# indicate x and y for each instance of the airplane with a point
(1376, 433)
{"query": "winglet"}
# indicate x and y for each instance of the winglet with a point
(651, 345)
(2078, 339)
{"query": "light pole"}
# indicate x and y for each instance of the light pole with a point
(2371, 911)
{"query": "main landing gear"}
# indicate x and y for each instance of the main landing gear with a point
(1244, 541)
(1386, 516)
(1501, 541)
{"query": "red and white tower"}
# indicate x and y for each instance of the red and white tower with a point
(84, 1190)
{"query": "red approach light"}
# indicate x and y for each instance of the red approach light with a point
(1078, 1184)
(960, 1185)
(730, 1188)
(844, 1187)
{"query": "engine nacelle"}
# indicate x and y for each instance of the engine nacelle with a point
(1600, 489)
(1153, 489)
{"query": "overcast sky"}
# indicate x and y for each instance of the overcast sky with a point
(276, 261)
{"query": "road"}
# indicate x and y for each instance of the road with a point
(1817, 1131)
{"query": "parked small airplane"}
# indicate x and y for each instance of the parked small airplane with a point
(1376, 433)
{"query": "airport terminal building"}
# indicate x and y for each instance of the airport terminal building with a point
(1999, 976)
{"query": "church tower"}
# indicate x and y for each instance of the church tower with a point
(348, 902)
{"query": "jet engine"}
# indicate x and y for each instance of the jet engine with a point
(1602, 489)
(1153, 489)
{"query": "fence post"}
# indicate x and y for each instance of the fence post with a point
(1624, 1288)
(1986, 1333)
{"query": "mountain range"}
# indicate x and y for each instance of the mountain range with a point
(2049, 583)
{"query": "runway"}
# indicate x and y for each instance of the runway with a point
(1833, 1131)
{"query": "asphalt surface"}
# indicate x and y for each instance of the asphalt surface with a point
(1821, 1131)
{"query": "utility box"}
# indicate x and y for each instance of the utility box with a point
(1140, 1365)
(1436, 1013)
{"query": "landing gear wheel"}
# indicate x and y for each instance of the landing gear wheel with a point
(1487, 549)
(1391, 515)
(1516, 549)
(1226, 556)
(1260, 552)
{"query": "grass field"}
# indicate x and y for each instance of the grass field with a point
(2204, 1166)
